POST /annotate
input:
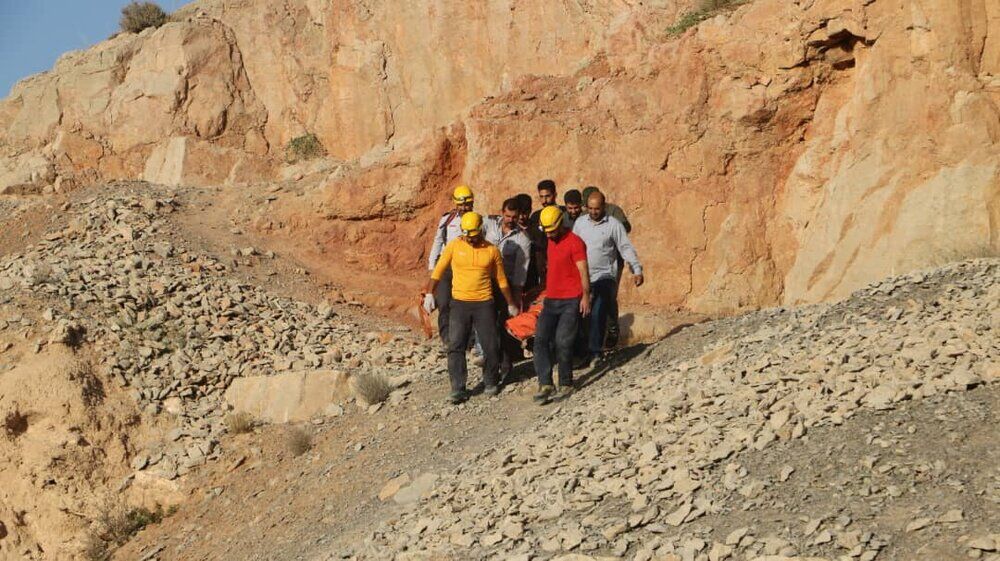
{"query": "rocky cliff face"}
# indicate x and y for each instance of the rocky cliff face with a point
(216, 95)
(779, 153)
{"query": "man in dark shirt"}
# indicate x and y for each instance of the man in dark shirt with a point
(547, 198)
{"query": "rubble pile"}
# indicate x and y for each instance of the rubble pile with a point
(175, 327)
(625, 471)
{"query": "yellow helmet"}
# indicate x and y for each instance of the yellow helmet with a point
(472, 224)
(550, 218)
(462, 194)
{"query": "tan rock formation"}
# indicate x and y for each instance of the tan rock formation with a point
(216, 95)
(777, 153)
(782, 153)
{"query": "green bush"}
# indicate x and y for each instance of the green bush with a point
(705, 10)
(137, 16)
(305, 147)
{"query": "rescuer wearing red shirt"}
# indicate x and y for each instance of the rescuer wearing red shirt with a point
(567, 297)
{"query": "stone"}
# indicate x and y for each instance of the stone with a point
(954, 515)
(982, 544)
(393, 486)
(288, 397)
(419, 488)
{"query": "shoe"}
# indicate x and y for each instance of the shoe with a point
(491, 391)
(455, 398)
(544, 394)
(565, 392)
(584, 362)
(611, 339)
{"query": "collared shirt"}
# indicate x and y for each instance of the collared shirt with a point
(473, 270)
(606, 240)
(449, 228)
(616, 212)
(514, 246)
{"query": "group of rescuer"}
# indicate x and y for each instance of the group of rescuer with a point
(486, 270)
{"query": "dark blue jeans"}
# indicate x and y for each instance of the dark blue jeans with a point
(603, 292)
(556, 330)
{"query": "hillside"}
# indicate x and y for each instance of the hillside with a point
(212, 235)
(779, 152)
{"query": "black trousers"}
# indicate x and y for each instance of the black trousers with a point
(442, 295)
(509, 347)
(463, 318)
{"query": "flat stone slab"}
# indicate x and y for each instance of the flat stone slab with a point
(290, 396)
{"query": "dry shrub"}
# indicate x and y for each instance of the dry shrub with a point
(705, 10)
(116, 524)
(137, 16)
(91, 387)
(299, 441)
(372, 387)
(239, 422)
(305, 147)
(15, 424)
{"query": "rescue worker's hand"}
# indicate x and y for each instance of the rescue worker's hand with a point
(585, 305)
(512, 311)
(639, 279)
(429, 304)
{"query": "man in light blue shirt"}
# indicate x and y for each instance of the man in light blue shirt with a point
(607, 242)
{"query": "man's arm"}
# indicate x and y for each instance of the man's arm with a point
(627, 251)
(439, 269)
(585, 280)
(438, 244)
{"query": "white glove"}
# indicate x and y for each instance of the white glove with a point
(512, 311)
(429, 303)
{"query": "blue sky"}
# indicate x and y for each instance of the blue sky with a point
(33, 33)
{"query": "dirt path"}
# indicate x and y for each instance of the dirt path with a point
(309, 505)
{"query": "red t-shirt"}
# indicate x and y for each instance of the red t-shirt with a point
(562, 280)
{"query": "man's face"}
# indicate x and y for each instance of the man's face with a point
(574, 210)
(523, 218)
(595, 208)
(464, 207)
(547, 197)
(555, 234)
(511, 218)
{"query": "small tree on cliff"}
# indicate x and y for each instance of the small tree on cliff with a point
(137, 16)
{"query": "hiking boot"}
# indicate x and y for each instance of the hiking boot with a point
(491, 391)
(565, 392)
(544, 394)
(584, 362)
(611, 339)
(457, 397)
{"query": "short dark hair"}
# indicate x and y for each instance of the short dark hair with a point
(511, 204)
(524, 201)
(573, 197)
(547, 185)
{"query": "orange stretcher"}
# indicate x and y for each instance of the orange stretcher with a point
(522, 326)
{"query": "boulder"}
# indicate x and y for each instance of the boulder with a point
(290, 396)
